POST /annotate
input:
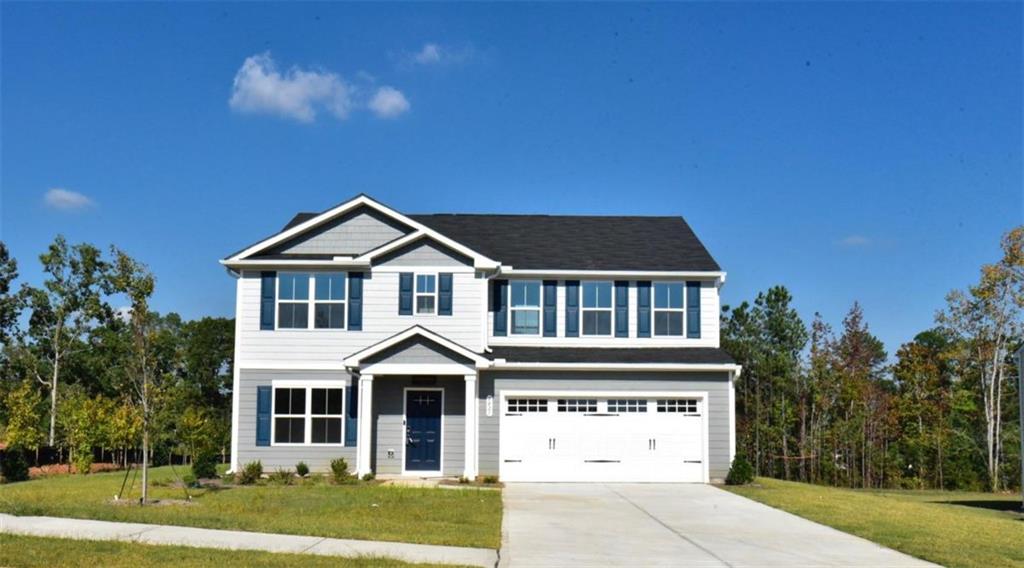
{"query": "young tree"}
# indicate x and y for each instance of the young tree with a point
(11, 301)
(24, 427)
(63, 311)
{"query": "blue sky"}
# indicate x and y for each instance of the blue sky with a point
(865, 152)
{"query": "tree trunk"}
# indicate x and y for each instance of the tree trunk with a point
(53, 399)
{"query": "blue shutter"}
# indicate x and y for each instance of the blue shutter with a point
(693, 309)
(263, 416)
(268, 288)
(405, 294)
(572, 308)
(621, 308)
(355, 301)
(550, 308)
(499, 305)
(352, 414)
(444, 294)
(643, 309)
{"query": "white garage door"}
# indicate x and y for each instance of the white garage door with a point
(585, 437)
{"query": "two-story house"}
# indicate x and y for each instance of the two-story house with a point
(532, 347)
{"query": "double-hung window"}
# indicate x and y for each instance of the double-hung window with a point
(309, 415)
(524, 307)
(426, 293)
(669, 313)
(293, 300)
(597, 308)
(329, 308)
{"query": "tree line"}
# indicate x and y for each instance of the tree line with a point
(85, 363)
(828, 406)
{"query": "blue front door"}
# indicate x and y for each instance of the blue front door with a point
(423, 430)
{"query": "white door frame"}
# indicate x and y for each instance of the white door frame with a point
(541, 393)
(405, 418)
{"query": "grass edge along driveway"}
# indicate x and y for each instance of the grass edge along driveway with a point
(952, 528)
(454, 517)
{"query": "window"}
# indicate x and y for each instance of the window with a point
(293, 300)
(627, 405)
(681, 405)
(527, 405)
(525, 307)
(668, 308)
(329, 309)
(309, 415)
(577, 405)
(426, 293)
(597, 308)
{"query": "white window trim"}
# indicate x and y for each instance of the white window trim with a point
(416, 293)
(308, 416)
(610, 310)
(655, 310)
(310, 302)
(539, 309)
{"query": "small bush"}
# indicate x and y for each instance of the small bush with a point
(13, 466)
(741, 472)
(251, 473)
(83, 461)
(339, 471)
(302, 469)
(463, 479)
(490, 479)
(204, 465)
(190, 479)
(369, 476)
(282, 476)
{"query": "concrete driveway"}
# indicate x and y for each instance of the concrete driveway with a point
(554, 524)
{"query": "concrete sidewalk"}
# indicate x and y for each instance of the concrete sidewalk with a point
(240, 540)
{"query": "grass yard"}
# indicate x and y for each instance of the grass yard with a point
(457, 517)
(18, 551)
(952, 528)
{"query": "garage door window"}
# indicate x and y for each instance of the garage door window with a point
(680, 405)
(627, 405)
(527, 405)
(577, 405)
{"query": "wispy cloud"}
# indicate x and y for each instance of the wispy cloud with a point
(66, 200)
(260, 88)
(854, 241)
(437, 54)
(389, 102)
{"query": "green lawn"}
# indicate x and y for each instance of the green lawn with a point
(458, 517)
(952, 528)
(36, 551)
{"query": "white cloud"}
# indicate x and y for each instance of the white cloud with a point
(855, 241)
(388, 102)
(260, 88)
(437, 54)
(66, 200)
(430, 53)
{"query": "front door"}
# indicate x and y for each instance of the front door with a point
(423, 430)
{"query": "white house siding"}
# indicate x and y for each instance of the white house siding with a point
(715, 384)
(352, 234)
(709, 325)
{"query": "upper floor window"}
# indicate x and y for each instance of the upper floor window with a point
(525, 307)
(668, 308)
(294, 308)
(426, 293)
(597, 308)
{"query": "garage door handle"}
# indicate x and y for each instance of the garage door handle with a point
(602, 461)
(692, 461)
(513, 461)
(601, 414)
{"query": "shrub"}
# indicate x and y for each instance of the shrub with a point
(463, 479)
(13, 466)
(190, 480)
(204, 466)
(282, 476)
(369, 476)
(251, 473)
(302, 469)
(490, 479)
(339, 471)
(741, 472)
(83, 460)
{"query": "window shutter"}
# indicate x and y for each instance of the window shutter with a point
(355, 301)
(499, 305)
(444, 294)
(352, 414)
(693, 309)
(268, 288)
(621, 308)
(263, 416)
(405, 294)
(572, 308)
(550, 308)
(643, 309)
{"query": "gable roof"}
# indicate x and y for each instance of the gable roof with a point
(420, 332)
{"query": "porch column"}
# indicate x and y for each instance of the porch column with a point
(472, 426)
(365, 419)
